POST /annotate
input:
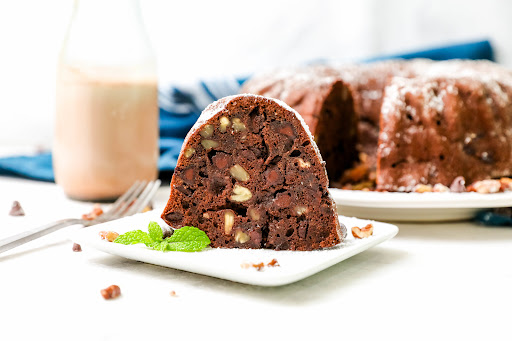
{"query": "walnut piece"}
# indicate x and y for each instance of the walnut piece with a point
(241, 237)
(229, 221)
(440, 188)
(273, 263)
(111, 292)
(109, 236)
(304, 164)
(207, 131)
(209, 144)
(189, 152)
(506, 184)
(260, 266)
(95, 213)
(486, 186)
(364, 232)
(420, 188)
(240, 194)
(224, 123)
(239, 173)
(300, 210)
(253, 213)
(238, 125)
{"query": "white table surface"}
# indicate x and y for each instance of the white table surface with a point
(432, 282)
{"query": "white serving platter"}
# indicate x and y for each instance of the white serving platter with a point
(394, 206)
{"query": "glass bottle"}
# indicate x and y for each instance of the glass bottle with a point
(106, 132)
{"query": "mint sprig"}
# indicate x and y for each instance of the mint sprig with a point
(186, 239)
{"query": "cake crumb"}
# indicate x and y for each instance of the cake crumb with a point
(173, 293)
(260, 266)
(77, 247)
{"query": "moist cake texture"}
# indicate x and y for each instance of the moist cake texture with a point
(251, 176)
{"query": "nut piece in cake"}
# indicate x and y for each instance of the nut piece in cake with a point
(240, 194)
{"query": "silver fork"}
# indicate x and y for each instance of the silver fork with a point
(132, 201)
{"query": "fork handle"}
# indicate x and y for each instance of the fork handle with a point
(26, 236)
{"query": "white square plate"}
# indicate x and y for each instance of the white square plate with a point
(227, 263)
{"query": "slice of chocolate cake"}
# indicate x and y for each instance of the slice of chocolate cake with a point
(251, 176)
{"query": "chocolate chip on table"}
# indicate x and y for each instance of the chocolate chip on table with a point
(16, 209)
(77, 247)
(111, 292)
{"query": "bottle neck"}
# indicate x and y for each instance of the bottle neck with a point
(108, 13)
(107, 33)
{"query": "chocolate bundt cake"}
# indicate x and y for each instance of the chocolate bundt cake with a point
(250, 175)
(436, 129)
(395, 103)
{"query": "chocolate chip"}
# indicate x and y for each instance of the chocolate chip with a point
(221, 160)
(217, 185)
(458, 185)
(248, 154)
(174, 216)
(189, 175)
(283, 200)
(273, 176)
(287, 130)
(303, 229)
(77, 247)
(183, 190)
(16, 209)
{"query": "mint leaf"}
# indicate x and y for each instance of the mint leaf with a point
(192, 246)
(160, 246)
(133, 237)
(186, 239)
(155, 232)
(189, 234)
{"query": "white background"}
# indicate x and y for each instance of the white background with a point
(194, 39)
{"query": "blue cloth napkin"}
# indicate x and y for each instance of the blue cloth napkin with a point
(181, 105)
